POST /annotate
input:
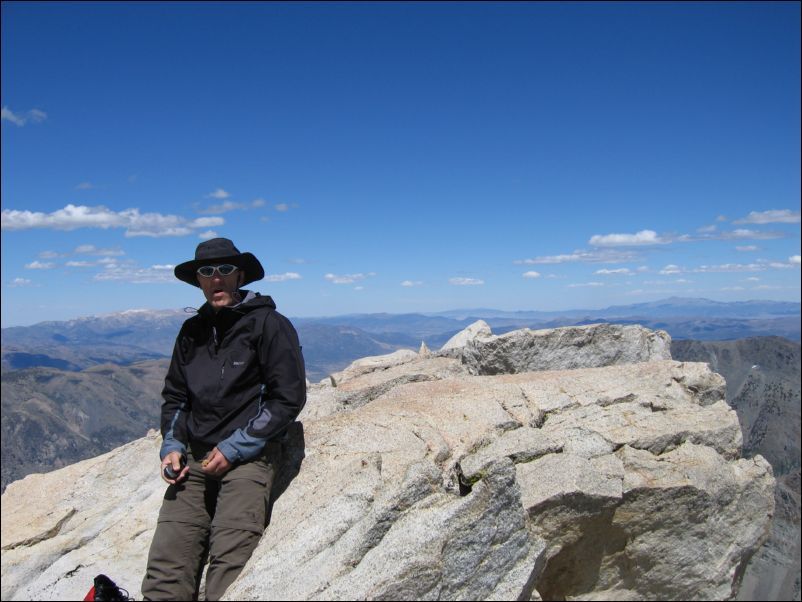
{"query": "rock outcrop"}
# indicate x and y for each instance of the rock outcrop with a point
(564, 348)
(763, 387)
(478, 330)
(415, 479)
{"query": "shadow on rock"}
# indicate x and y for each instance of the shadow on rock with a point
(292, 456)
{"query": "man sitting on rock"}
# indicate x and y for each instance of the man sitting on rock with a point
(235, 383)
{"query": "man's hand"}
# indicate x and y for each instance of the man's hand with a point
(215, 464)
(174, 459)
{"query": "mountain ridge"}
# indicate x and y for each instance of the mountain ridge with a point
(136, 335)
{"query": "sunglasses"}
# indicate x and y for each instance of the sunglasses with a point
(207, 271)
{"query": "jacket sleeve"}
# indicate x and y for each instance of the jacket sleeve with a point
(283, 391)
(176, 405)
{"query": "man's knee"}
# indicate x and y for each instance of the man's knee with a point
(229, 551)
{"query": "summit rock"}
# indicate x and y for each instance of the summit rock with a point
(417, 478)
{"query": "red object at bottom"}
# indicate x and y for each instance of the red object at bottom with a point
(91, 594)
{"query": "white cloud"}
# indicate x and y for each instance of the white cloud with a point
(85, 186)
(752, 279)
(359, 288)
(653, 283)
(465, 281)
(671, 269)
(794, 259)
(773, 216)
(582, 284)
(159, 274)
(619, 271)
(37, 116)
(531, 274)
(750, 234)
(347, 278)
(740, 267)
(93, 250)
(729, 267)
(410, 283)
(79, 264)
(737, 234)
(49, 255)
(38, 265)
(721, 218)
(222, 207)
(747, 248)
(595, 256)
(207, 235)
(70, 217)
(283, 277)
(707, 229)
(135, 223)
(218, 194)
(206, 222)
(775, 287)
(34, 115)
(226, 206)
(8, 115)
(644, 237)
(17, 282)
(282, 207)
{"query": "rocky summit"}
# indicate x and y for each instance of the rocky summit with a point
(607, 472)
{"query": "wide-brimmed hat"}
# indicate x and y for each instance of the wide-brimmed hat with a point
(218, 251)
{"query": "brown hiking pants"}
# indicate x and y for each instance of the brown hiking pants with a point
(204, 517)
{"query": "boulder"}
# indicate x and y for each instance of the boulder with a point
(565, 348)
(370, 364)
(477, 330)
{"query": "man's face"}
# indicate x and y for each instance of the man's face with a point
(220, 290)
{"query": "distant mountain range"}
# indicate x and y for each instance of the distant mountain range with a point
(330, 343)
(130, 337)
(671, 307)
(682, 318)
(77, 388)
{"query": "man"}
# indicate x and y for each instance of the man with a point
(236, 381)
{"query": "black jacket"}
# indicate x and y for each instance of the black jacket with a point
(236, 380)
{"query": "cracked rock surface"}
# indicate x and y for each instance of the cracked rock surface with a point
(412, 479)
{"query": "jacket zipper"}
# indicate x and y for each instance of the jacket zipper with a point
(216, 349)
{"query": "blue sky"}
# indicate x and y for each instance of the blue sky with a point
(400, 157)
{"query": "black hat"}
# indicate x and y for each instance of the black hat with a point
(218, 251)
